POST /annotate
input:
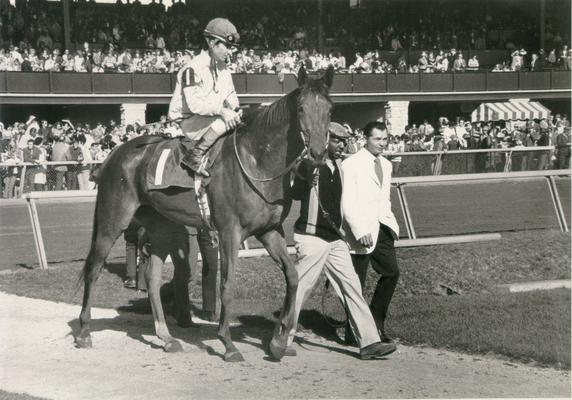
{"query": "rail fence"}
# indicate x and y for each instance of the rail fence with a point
(16, 179)
(399, 183)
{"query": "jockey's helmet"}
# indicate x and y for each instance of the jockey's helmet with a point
(223, 30)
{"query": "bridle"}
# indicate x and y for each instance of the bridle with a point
(304, 154)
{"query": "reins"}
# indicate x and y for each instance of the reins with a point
(296, 161)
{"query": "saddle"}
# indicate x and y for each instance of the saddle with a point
(165, 170)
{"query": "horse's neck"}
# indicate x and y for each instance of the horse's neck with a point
(267, 137)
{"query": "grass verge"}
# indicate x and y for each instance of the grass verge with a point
(528, 327)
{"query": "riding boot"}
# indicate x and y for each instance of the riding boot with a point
(193, 158)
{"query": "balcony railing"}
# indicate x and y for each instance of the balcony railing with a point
(121, 84)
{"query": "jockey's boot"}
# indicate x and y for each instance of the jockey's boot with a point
(193, 159)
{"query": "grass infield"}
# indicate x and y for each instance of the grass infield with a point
(529, 327)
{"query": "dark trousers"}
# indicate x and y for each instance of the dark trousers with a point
(71, 180)
(29, 179)
(197, 242)
(384, 262)
(132, 235)
(209, 254)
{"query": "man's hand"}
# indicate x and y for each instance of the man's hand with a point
(366, 240)
(231, 119)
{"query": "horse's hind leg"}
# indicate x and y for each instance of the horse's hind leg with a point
(229, 245)
(276, 245)
(109, 221)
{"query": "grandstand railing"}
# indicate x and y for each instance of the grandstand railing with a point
(424, 163)
(154, 84)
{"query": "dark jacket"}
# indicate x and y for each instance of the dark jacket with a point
(329, 189)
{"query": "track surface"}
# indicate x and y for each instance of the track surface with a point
(444, 209)
(38, 358)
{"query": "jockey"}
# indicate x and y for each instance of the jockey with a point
(204, 97)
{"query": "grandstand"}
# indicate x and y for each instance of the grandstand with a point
(93, 62)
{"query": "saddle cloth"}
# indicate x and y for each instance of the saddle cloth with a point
(164, 169)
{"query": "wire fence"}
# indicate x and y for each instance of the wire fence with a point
(18, 178)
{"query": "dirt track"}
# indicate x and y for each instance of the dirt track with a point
(38, 357)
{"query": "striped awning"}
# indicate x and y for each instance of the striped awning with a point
(510, 110)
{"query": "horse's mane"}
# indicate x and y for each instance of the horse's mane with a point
(276, 113)
(284, 108)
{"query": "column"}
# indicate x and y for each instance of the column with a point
(397, 113)
(67, 25)
(133, 112)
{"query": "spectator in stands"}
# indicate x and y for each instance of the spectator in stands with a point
(12, 172)
(59, 151)
(30, 154)
(84, 167)
(109, 62)
(40, 178)
(74, 153)
(459, 65)
(124, 61)
(473, 64)
(551, 60)
(562, 58)
(563, 149)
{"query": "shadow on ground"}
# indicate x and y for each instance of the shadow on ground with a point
(136, 322)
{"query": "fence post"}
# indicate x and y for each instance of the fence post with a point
(557, 204)
(22, 181)
(40, 249)
(406, 213)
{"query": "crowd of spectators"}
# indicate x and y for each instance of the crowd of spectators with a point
(77, 145)
(82, 144)
(162, 60)
(292, 24)
(31, 35)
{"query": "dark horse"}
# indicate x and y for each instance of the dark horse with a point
(249, 196)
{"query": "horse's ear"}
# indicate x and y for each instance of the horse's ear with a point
(329, 76)
(302, 75)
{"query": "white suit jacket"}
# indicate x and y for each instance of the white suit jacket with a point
(365, 201)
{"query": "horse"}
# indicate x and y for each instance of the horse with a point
(249, 195)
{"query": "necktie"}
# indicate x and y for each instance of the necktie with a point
(378, 170)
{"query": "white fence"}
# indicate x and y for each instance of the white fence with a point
(399, 183)
(437, 157)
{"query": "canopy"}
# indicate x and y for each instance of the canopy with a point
(510, 110)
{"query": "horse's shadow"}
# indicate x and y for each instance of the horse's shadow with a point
(116, 268)
(254, 330)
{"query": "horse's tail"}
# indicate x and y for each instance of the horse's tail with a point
(88, 265)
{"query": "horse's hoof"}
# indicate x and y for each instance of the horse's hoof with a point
(233, 356)
(173, 347)
(83, 342)
(276, 349)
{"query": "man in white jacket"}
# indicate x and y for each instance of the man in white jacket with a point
(366, 208)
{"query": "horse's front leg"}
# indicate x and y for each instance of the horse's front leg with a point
(153, 276)
(229, 246)
(276, 245)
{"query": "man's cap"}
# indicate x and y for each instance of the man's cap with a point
(338, 131)
(223, 30)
